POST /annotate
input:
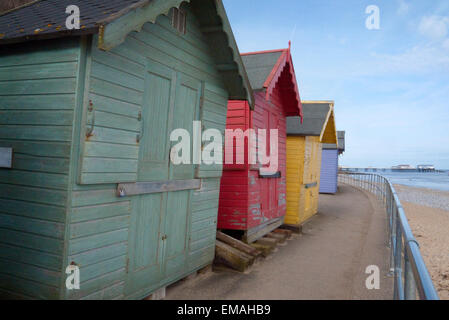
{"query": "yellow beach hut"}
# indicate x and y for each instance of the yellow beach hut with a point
(304, 147)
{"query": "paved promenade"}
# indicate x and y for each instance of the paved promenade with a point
(327, 261)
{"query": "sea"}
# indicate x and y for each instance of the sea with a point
(429, 180)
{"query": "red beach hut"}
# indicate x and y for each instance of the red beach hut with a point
(252, 201)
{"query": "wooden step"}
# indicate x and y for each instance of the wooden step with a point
(288, 233)
(232, 257)
(281, 237)
(239, 245)
(266, 250)
(271, 242)
(294, 228)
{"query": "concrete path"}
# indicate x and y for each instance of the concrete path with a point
(327, 261)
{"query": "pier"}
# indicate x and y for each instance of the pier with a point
(420, 168)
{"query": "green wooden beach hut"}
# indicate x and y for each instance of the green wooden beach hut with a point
(85, 120)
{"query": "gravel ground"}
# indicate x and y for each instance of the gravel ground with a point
(428, 214)
(430, 227)
(425, 197)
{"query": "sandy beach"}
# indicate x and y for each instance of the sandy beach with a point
(428, 214)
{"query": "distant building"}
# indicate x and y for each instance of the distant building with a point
(402, 167)
(426, 168)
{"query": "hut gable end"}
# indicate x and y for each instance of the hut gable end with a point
(319, 120)
(272, 72)
(91, 110)
(114, 20)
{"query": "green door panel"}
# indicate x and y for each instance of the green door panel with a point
(176, 218)
(157, 108)
(186, 110)
(145, 242)
(160, 222)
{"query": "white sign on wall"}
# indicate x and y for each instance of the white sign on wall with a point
(5, 157)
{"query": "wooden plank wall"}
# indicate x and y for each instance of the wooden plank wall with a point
(255, 216)
(311, 174)
(99, 222)
(295, 173)
(303, 167)
(329, 171)
(241, 193)
(37, 102)
(233, 206)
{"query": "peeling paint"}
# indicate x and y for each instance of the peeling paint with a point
(252, 180)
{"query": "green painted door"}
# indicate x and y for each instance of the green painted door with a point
(176, 218)
(160, 222)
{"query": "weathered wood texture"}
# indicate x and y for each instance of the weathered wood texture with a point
(232, 257)
(104, 229)
(271, 242)
(278, 236)
(59, 204)
(6, 5)
(266, 250)
(303, 178)
(247, 200)
(286, 232)
(37, 102)
(237, 244)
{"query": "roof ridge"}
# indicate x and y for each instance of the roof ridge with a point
(262, 52)
(318, 101)
(20, 7)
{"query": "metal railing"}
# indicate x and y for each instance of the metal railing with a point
(411, 277)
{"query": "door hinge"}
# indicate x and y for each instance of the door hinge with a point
(127, 265)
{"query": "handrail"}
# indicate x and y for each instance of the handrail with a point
(406, 262)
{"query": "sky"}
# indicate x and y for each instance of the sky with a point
(390, 86)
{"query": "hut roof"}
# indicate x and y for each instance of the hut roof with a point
(46, 18)
(319, 120)
(341, 140)
(113, 20)
(268, 69)
(341, 143)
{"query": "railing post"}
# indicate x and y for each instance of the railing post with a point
(407, 267)
(410, 284)
(377, 187)
(393, 240)
(389, 214)
(398, 288)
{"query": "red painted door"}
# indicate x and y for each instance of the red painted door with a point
(273, 182)
(268, 186)
(265, 183)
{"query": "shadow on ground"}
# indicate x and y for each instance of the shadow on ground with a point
(328, 261)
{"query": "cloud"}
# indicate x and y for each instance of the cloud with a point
(428, 56)
(403, 8)
(446, 44)
(434, 27)
(418, 59)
